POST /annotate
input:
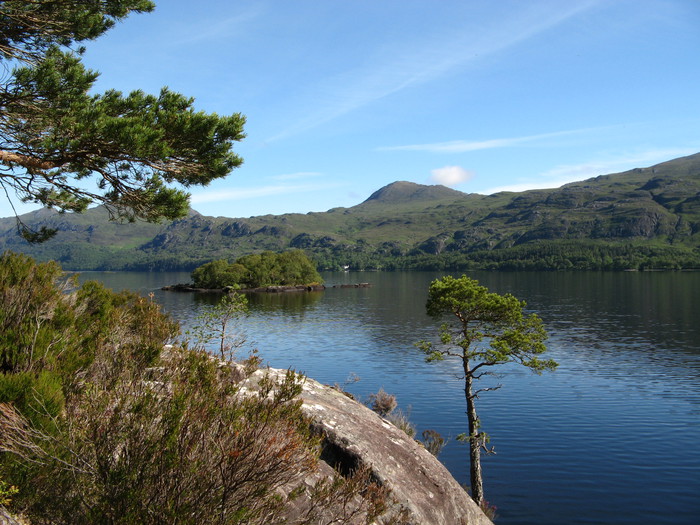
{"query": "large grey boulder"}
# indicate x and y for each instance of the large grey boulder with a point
(355, 435)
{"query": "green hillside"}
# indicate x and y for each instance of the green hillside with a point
(643, 218)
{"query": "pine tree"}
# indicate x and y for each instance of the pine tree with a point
(55, 132)
(482, 330)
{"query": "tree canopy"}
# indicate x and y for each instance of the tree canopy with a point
(140, 151)
(482, 329)
(256, 270)
(481, 316)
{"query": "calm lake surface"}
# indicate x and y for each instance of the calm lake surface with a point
(611, 437)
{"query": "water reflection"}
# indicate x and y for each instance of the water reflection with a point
(293, 302)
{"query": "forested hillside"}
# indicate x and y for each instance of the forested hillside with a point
(639, 219)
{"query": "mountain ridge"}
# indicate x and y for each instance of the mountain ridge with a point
(641, 217)
(404, 191)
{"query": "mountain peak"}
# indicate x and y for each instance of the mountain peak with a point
(404, 191)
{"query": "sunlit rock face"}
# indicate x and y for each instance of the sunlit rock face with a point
(354, 435)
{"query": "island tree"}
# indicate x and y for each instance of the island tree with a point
(482, 330)
(64, 146)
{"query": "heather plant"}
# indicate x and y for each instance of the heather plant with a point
(351, 379)
(433, 442)
(173, 443)
(382, 403)
(144, 446)
(385, 405)
(402, 420)
(99, 425)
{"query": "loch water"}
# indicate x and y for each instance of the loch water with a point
(611, 437)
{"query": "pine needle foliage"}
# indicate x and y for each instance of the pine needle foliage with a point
(482, 330)
(140, 151)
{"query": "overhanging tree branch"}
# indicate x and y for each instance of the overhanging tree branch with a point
(17, 159)
(140, 149)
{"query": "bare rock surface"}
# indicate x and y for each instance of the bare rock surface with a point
(355, 435)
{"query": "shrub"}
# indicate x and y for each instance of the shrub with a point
(403, 421)
(382, 403)
(433, 442)
(221, 324)
(97, 425)
(144, 446)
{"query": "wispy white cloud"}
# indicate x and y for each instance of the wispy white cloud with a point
(215, 28)
(425, 61)
(450, 175)
(463, 146)
(566, 173)
(258, 192)
(297, 176)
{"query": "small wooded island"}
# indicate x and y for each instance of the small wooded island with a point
(258, 270)
(268, 271)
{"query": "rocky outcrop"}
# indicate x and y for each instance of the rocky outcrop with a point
(236, 229)
(354, 435)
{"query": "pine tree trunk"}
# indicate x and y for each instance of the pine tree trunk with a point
(475, 476)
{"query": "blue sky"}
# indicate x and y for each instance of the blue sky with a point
(343, 98)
